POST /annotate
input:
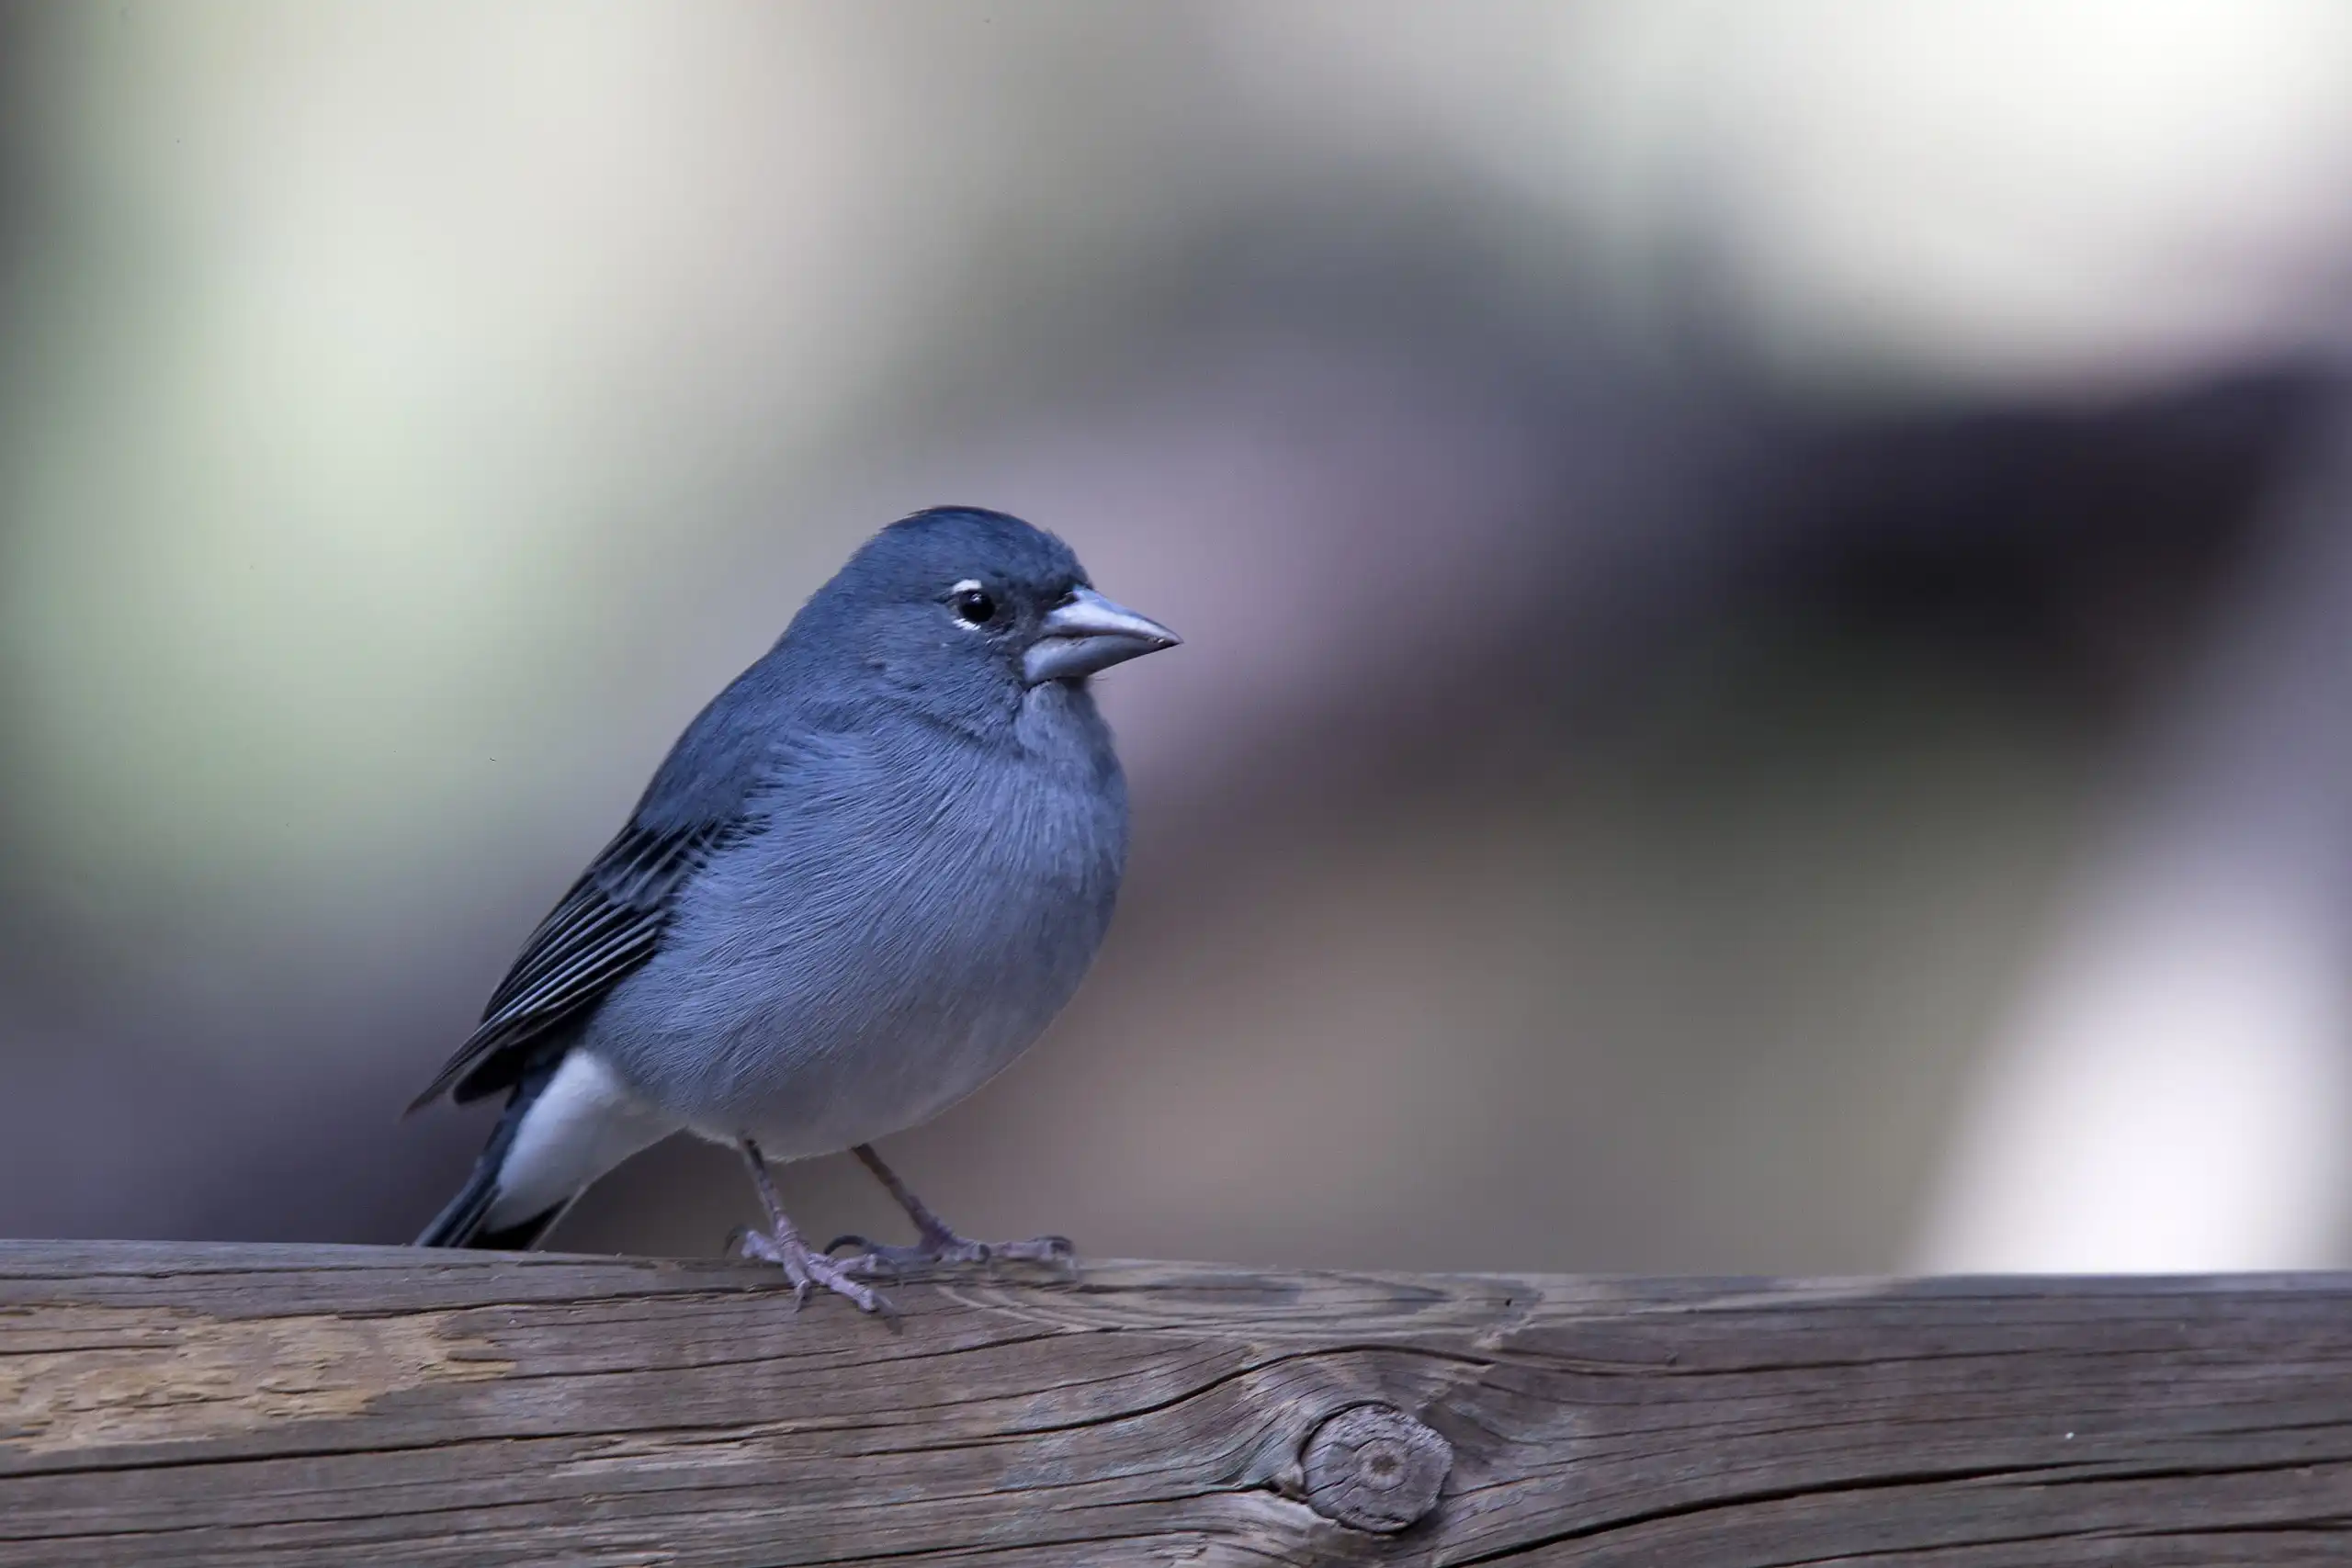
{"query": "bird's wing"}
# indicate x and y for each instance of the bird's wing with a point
(612, 920)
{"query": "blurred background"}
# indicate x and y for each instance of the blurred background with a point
(1768, 681)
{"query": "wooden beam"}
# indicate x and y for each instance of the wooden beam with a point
(166, 1405)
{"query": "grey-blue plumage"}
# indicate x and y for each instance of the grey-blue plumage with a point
(864, 880)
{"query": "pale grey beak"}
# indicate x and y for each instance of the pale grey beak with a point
(1085, 633)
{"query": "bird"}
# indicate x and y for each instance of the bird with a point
(865, 879)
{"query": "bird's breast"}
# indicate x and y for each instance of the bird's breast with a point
(890, 937)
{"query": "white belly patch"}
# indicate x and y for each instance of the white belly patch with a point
(584, 1123)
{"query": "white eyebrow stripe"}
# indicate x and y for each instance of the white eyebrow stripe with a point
(969, 585)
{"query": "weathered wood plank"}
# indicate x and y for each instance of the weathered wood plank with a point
(175, 1405)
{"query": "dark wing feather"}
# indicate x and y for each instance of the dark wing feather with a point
(606, 926)
(612, 920)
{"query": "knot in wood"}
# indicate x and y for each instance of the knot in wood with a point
(1374, 1468)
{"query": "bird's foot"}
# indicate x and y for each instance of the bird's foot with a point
(944, 1247)
(808, 1269)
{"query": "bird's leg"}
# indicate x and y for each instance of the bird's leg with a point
(935, 1242)
(780, 1243)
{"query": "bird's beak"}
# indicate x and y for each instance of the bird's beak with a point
(1085, 633)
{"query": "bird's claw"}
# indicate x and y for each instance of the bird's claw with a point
(805, 1271)
(946, 1249)
(1057, 1250)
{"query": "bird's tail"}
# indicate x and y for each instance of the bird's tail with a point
(462, 1222)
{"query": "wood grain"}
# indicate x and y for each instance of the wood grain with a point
(175, 1405)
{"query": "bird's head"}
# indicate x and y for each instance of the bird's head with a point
(966, 608)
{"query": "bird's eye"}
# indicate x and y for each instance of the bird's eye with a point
(972, 605)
